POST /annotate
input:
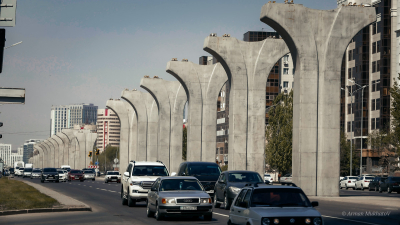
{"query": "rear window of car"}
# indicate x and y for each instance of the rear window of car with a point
(244, 177)
(28, 170)
(112, 173)
(88, 171)
(36, 171)
(49, 170)
(279, 197)
(76, 171)
(369, 178)
(352, 178)
(267, 175)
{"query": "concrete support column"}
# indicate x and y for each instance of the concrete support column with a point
(66, 141)
(247, 65)
(51, 151)
(60, 144)
(40, 162)
(56, 150)
(125, 114)
(317, 40)
(90, 140)
(202, 84)
(46, 153)
(134, 98)
(71, 147)
(170, 98)
(81, 150)
(152, 127)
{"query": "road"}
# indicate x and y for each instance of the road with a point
(107, 209)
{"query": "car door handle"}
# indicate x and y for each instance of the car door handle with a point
(238, 211)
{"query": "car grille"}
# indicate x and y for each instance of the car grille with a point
(147, 184)
(113, 177)
(208, 186)
(291, 220)
(187, 200)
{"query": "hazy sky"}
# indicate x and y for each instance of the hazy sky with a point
(89, 51)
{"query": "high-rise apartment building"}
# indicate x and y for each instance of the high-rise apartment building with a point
(66, 116)
(370, 60)
(108, 129)
(28, 149)
(5, 154)
(286, 73)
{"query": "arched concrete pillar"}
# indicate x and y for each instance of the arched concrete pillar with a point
(47, 153)
(80, 153)
(317, 40)
(134, 98)
(125, 114)
(90, 141)
(152, 127)
(40, 161)
(247, 65)
(71, 148)
(66, 141)
(51, 151)
(60, 144)
(56, 150)
(170, 98)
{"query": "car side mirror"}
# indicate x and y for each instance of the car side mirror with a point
(314, 204)
(173, 174)
(126, 174)
(120, 174)
(243, 204)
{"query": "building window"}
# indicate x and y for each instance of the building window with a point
(285, 84)
(378, 46)
(349, 73)
(373, 86)
(372, 104)
(377, 104)
(373, 123)
(377, 123)
(378, 65)
(348, 126)
(350, 55)
(374, 28)
(373, 47)
(348, 108)
(373, 67)
(286, 71)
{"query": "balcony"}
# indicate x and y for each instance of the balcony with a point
(221, 120)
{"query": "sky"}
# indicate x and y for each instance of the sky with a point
(88, 51)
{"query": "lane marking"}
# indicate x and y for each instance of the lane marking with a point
(90, 186)
(221, 214)
(356, 221)
(112, 191)
(97, 188)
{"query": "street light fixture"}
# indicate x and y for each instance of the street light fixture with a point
(13, 45)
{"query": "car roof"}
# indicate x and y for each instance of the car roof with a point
(178, 177)
(264, 186)
(204, 163)
(239, 171)
(146, 163)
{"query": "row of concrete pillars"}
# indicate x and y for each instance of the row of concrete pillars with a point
(68, 147)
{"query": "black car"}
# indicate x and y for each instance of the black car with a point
(11, 170)
(229, 185)
(206, 172)
(390, 184)
(49, 174)
(375, 183)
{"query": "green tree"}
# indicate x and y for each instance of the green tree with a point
(395, 114)
(184, 143)
(279, 132)
(107, 157)
(345, 156)
(383, 143)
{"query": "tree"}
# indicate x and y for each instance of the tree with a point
(107, 157)
(184, 143)
(345, 156)
(383, 142)
(279, 132)
(395, 114)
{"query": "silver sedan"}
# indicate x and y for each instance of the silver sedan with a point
(178, 196)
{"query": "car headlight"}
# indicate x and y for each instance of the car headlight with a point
(168, 201)
(135, 183)
(205, 200)
(317, 221)
(265, 221)
(235, 190)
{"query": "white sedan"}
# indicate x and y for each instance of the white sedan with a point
(348, 182)
(268, 177)
(287, 179)
(363, 182)
(61, 175)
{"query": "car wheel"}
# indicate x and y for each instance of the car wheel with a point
(362, 188)
(57, 181)
(158, 214)
(124, 200)
(93, 179)
(227, 202)
(398, 192)
(375, 189)
(149, 212)
(31, 178)
(82, 180)
(106, 181)
(208, 217)
(42, 181)
(380, 190)
(340, 186)
(389, 190)
(216, 204)
(131, 202)
(347, 187)
(229, 222)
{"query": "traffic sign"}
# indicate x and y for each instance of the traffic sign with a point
(94, 167)
(96, 163)
(116, 160)
(8, 10)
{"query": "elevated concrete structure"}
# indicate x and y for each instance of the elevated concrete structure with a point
(61, 144)
(40, 159)
(247, 65)
(126, 115)
(134, 98)
(43, 151)
(202, 84)
(47, 155)
(317, 40)
(170, 98)
(65, 155)
(152, 127)
(90, 140)
(56, 149)
(80, 152)
(51, 149)
(71, 147)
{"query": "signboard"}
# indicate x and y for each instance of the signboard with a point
(12, 95)
(94, 167)
(8, 10)
(96, 163)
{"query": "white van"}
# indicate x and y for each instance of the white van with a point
(66, 167)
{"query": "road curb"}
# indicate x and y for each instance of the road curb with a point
(44, 210)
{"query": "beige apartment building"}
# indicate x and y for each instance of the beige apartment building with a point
(108, 129)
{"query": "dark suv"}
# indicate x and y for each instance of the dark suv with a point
(49, 174)
(390, 184)
(375, 183)
(206, 172)
(229, 185)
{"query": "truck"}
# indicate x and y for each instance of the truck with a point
(29, 165)
(17, 166)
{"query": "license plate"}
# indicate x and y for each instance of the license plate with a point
(188, 207)
(113, 180)
(210, 191)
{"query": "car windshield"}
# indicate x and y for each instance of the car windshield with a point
(180, 185)
(279, 197)
(28, 170)
(352, 178)
(36, 171)
(60, 172)
(204, 170)
(112, 173)
(76, 171)
(150, 171)
(87, 171)
(244, 177)
(369, 178)
(267, 175)
(49, 170)
(17, 167)
(21, 169)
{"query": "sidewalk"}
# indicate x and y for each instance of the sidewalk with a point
(66, 203)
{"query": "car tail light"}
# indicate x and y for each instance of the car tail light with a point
(349, 181)
(272, 178)
(396, 184)
(367, 181)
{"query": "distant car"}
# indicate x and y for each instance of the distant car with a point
(229, 185)
(391, 184)
(62, 176)
(36, 173)
(266, 204)
(287, 179)
(12, 171)
(363, 182)
(75, 175)
(49, 174)
(375, 183)
(348, 182)
(27, 172)
(341, 178)
(88, 175)
(178, 196)
(19, 171)
(269, 178)
(112, 176)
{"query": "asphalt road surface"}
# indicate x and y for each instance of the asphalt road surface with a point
(108, 209)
